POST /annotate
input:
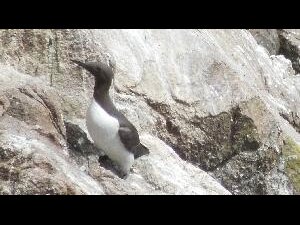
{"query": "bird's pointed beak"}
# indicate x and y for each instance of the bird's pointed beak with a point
(79, 63)
(86, 66)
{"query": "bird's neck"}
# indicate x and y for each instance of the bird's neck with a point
(103, 84)
(101, 96)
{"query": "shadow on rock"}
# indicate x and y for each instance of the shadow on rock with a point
(81, 146)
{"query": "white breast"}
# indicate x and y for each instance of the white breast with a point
(103, 129)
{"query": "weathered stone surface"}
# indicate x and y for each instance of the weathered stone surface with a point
(258, 146)
(293, 119)
(267, 38)
(33, 157)
(40, 153)
(215, 96)
(289, 46)
(291, 153)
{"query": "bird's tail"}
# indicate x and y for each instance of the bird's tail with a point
(141, 150)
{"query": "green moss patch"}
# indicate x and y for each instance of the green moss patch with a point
(291, 152)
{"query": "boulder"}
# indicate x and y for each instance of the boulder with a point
(220, 100)
(40, 153)
(268, 38)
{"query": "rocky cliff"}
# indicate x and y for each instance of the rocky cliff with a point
(218, 109)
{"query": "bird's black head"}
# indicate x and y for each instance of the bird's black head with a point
(103, 73)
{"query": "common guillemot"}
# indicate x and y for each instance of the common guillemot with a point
(110, 130)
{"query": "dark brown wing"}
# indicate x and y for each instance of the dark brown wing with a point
(130, 138)
(127, 132)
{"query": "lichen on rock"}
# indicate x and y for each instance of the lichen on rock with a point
(291, 153)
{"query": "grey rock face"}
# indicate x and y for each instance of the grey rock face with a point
(215, 96)
(33, 153)
(267, 38)
(289, 46)
(42, 154)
